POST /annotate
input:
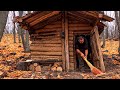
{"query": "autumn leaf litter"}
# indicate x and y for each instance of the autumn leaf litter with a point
(11, 53)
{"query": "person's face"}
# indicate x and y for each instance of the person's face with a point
(81, 40)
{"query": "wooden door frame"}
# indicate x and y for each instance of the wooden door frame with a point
(74, 51)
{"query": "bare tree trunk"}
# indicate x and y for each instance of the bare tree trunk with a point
(22, 32)
(116, 31)
(106, 32)
(14, 32)
(118, 23)
(27, 49)
(103, 35)
(18, 33)
(119, 33)
(3, 20)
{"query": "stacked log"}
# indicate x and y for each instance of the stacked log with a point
(35, 67)
(56, 67)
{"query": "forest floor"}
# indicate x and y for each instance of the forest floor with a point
(11, 53)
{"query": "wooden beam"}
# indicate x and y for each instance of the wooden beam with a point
(94, 50)
(48, 30)
(46, 53)
(46, 45)
(45, 49)
(90, 14)
(37, 16)
(99, 48)
(30, 15)
(105, 17)
(66, 42)
(49, 42)
(41, 57)
(71, 16)
(80, 28)
(63, 43)
(44, 17)
(74, 51)
(76, 14)
(46, 22)
(79, 25)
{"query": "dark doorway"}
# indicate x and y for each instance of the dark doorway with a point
(89, 50)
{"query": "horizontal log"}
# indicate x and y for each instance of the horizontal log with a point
(72, 66)
(45, 42)
(71, 57)
(37, 60)
(48, 30)
(73, 22)
(70, 45)
(48, 33)
(70, 42)
(73, 18)
(79, 31)
(46, 45)
(46, 53)
(44, 49)
(72, 61)
(70, 34)
(71, 38)
(71, 53)
(56, 22)
(47, 57)
(80, 28)
(78, 25)
(47, 38)
(70, 49)
(53, 26)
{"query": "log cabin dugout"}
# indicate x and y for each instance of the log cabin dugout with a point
(53, 35)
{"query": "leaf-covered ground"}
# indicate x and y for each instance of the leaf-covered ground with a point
(12, 53)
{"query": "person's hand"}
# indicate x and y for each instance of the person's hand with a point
(86, 57)
(82, 55)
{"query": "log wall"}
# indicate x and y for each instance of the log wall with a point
(47, 44)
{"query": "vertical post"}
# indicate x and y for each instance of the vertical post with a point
(99, 48)
(66, 42)
(94, 50)
(63, 42)
(74, 52)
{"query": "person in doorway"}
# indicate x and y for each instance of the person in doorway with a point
(82, 51)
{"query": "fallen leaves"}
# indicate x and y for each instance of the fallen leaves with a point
(111, 46)
(11, 52)
(116, 62)
(14, 74)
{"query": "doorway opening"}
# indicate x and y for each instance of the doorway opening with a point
(89, 57)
